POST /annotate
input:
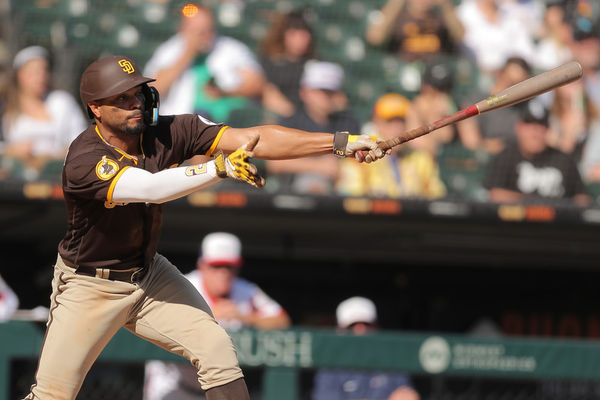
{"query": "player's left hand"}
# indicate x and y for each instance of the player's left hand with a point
(238, 166)
(364, 148)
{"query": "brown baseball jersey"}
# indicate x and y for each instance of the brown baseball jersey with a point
(102, 233)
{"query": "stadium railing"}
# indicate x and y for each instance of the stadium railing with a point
(283, 354)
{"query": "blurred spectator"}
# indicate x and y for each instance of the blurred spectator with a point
(9, 301)
(284, 50)
(323, 101)
(530, 167)
(590, 158)
(571, 118)
(407, 172)
(493, 33)
(585, 21)
(417, 29)
(491, 131)
(433, 102)
(38, 123)
(199, 71)
(235, 303)
(358, 316)
(529, 13)
(5, 72)
(554, 46)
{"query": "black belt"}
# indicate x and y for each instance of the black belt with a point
(130, 275)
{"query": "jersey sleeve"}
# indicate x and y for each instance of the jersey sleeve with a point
(192, 135)
(93, 175)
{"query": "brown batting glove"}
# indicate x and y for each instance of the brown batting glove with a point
(238, 166)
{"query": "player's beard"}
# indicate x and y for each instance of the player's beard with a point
(133, 129)
(130, 126)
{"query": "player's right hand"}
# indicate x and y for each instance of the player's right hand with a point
(364, 148)
(238, 166)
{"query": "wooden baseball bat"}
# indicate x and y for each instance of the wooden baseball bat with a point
(517, 93)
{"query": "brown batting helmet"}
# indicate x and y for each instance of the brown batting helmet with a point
(109, 76)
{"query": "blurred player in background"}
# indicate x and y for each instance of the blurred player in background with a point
(235, 303)
(38, 122)
(323, 109)
(493, 33)
(417, 29)
(9, 302)
(198, 70)
(492, 131)
(358, 315)
(284, 50)
(530, 168)
(433, 102)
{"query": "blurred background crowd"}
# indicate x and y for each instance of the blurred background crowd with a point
(380, 67)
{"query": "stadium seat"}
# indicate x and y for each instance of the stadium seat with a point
(52, 171)
(594, 190)
(462, 171)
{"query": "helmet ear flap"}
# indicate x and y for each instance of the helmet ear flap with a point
(151, 104)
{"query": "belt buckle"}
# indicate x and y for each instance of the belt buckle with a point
(136, 273)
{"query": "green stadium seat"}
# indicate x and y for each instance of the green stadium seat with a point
(52, 171)
(594, 190)
(251, 115)
(462, 171)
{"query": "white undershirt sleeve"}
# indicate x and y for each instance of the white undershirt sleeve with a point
(136, 185)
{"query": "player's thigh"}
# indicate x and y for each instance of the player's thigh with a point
(84, 315)
(175, 317)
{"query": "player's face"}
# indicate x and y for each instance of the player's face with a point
(218, 279)
(297, 42)
(34, 76)
(199, 31)
(124, 112)
(389, 128)
(319, 101)
(532, 137)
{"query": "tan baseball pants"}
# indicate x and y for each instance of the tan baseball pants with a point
(164, 308)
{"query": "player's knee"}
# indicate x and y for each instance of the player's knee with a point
(220, 364)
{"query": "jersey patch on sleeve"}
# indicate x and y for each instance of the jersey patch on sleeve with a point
(106, 168)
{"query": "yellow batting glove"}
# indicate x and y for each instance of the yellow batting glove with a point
(238, 166)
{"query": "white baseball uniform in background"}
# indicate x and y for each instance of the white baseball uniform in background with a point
(179, 381)
(8, 301)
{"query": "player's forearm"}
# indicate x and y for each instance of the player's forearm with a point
(278, 142)
(136, 185)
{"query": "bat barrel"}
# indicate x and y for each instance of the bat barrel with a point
(532, 87)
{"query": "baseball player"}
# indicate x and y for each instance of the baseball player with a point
(108, 274)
